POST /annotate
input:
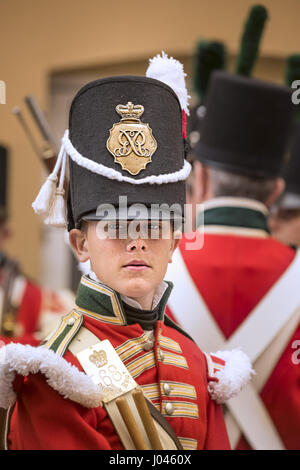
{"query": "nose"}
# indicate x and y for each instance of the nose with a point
(136, 245)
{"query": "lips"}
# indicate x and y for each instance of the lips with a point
(137, 262)
(136, 265)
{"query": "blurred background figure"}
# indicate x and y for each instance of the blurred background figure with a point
(284, 220)
(27, 311)
(210, 56)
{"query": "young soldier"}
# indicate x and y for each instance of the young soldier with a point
(78, 393)
(242, 287)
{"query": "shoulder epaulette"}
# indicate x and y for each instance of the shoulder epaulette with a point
(59, 340)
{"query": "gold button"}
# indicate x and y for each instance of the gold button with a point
(169, 408)
(166, 389)
(161, 355)
(147, 346)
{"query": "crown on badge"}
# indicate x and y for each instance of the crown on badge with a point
(130, 110)
(99, 358)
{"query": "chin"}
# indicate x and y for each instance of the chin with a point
(137, 287)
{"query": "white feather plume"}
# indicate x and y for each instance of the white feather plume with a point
(170, 71)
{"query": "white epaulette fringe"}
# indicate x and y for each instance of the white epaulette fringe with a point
(62, 376)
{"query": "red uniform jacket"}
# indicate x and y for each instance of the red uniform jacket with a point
(236, 267)
(44, 419)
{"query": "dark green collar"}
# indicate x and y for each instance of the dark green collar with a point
(231, 216)
(102, 303)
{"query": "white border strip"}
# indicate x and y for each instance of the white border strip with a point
(238, 231)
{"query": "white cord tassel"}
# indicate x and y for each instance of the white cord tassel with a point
(45, 198)
(57, 216)
(170, 71)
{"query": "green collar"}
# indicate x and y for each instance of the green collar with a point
(98, 301)
(238, 215)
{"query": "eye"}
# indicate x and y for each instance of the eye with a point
(154, 226)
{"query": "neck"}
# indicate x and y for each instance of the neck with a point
(145, 301)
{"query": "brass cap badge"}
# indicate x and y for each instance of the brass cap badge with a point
(131, 141)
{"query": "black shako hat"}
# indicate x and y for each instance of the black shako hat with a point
(125, 138)
(246, 125)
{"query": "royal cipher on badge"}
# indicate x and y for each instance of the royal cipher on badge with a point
(131, 141)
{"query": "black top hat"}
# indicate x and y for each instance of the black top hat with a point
(125, 139)
(246, 125)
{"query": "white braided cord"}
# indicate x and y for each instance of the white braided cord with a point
(112, 174)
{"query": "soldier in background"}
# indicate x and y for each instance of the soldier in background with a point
(211, 56)
(284, 221)
(242, 288)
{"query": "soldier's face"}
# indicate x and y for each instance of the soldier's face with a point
(131, 259)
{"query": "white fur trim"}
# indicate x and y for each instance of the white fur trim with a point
(235, 375)
(112, 174)
(62, 376)
(170, 71)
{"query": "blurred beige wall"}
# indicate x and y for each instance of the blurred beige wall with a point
(39, 38)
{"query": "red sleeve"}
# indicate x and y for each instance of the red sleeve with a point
(216, 438)
(43, 419)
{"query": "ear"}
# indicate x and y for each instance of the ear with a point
(278, 189)
(174, 245)
(79, 243)
(200, 182)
